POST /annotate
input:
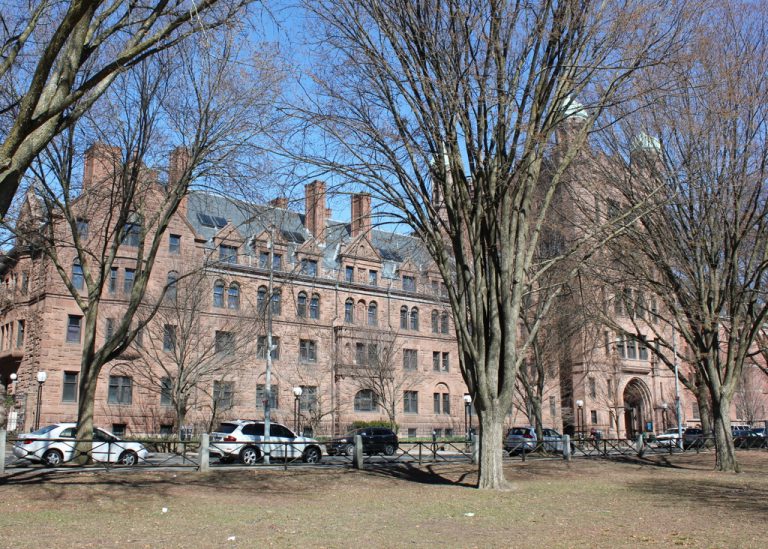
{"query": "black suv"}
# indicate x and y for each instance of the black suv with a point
(376, 440)
(693, 437)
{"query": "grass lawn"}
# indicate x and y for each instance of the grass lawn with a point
(660, 502)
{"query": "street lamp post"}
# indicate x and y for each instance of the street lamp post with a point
(296, 398)
(41, 377)
(468, 414)
(580, 417)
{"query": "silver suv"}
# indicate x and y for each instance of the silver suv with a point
(244, 440)
(523, 439)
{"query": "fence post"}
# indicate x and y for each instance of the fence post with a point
(357, 462)
(3, 434)
(204, 454)
(639, 445)
(567, 447)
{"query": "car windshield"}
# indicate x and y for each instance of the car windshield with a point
(226, 428)
(45, 430)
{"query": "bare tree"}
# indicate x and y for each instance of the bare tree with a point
(200, 97)
(445, 112)
(702, 245)
(58, 58)
(184, 350)
(749, 397)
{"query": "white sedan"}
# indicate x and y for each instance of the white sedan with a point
(668, 438)
(55, 444)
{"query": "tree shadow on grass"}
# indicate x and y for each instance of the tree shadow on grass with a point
(428, 474)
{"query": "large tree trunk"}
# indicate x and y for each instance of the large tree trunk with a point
(724, 448)
(89, 377)
(491, 471)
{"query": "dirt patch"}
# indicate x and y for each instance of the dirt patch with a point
(662, 501)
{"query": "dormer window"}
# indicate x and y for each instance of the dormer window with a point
(227, 254)
(309, 267)
(409, 283)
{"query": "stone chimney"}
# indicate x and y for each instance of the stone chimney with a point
(361, 214)
(314, 197)
(279, 202)
(177, 164)
(101, 164)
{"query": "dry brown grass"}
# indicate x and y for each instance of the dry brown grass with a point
(588, 503)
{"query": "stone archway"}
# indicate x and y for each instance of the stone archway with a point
(637, 407)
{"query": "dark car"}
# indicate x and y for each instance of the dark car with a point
(693, 437)
(376, 440)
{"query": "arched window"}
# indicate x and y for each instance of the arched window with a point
(301, 305)
(444, 323)
(403, 317)
(314, 307)
(349, 311)
(277, 303)
(414, 319)
(77, 275)
(218, 294)
(366, 401)
(233, 297)
(435, 322)
(261, 299)
(170, 286)
(373, 314)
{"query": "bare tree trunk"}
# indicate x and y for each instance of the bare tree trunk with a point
(491, 452)
(724, 448)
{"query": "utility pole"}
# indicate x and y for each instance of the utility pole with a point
(268, 377)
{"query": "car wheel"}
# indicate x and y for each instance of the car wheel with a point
(53, 458)
(349, 450)
(250, 455)
(129, 458)
(311, 455)
(389, 450)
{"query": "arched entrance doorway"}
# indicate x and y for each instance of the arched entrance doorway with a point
(637, 406)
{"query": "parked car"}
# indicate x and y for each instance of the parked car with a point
(670, 437)
(693, 436)
(376, 440)
(243, 440)
(55, 444)
(758, 432)
(521, 439)
(740, 431)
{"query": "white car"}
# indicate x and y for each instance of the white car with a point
(55, 444)
(244, 440)
(668, 438)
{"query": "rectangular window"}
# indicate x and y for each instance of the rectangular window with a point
(409, 283)
(360, 353)
(309, 267)
(264, 260)
(349, 274)
(69, 387)
(373, 278)
(593, 416)
(436, 401)
(128, 280)
(24, 283)
(169, 338)
(131, 234)
(174, 244)
(446, 362)
(446, 404)
(78, 278)
(20, 334)
(261, 396)
(227, 254)
(166, 397)
(82, 228)
(225, 343)
(74, 325)
(223, 393)
(112, 284)
(109, 329)
(642, 349)
(261, 348)
(620, 347)
(308, 398)
(277, 262)
(411, 402)
(592, 388)
(307, 350)
(436, 361)
(631, 345)
(120, 390)
(410, 359)
(552, 408)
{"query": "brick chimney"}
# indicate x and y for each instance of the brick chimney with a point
(177, 164)
(279, 202)
(361, 214)
(101, 164)
(314, 197)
